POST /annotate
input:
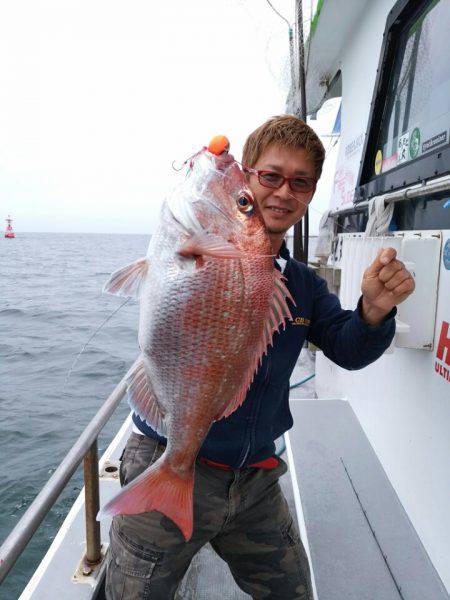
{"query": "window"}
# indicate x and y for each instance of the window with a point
(410, 120)
(417, 113)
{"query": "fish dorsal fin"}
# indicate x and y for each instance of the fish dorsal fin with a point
(128, 280)
(276, 317)
(142, 399)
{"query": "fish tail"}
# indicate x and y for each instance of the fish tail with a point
(159, 488)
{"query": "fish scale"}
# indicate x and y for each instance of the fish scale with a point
(210, 301)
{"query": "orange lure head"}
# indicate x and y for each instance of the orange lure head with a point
(226, 205)
(218, 145)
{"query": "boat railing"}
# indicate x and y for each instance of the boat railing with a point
(437, 186)
(85, 449)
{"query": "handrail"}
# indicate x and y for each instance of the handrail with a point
(416, 191)
(84, 448)
(19, 537)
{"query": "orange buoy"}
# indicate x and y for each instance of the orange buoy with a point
(219, 144)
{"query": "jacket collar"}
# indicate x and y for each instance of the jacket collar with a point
(284, 252)
(285, 255)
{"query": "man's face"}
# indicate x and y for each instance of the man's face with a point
(281, 208)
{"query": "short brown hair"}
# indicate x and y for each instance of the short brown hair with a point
(287, 131)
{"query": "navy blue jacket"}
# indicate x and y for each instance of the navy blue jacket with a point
(247, 436)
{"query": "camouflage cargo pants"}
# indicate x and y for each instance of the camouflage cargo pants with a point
(242, 513)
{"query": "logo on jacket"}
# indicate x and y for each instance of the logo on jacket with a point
(301, 321)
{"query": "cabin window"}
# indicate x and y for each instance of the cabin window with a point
(408, 136)
(416, 115)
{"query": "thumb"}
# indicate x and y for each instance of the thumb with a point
(383, 258)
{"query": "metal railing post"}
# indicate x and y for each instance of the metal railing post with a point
(19, 537)
(92, 506)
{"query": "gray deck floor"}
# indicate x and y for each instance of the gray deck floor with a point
(209, 577)
(362, 544)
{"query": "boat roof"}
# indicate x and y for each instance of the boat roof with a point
(333, 26)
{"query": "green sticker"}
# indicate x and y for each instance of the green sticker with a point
(414, 143)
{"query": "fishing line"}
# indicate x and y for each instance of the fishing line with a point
(211, 204)
(279, 14)
(331, 145)
(284, 18)
(344, 229)
(299, 201)
(188, 160)
(89, 340)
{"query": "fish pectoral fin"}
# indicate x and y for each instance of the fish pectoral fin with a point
(208, 244)
(128, 280)
(142, 398)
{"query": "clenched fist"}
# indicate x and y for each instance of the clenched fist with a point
(386, 283)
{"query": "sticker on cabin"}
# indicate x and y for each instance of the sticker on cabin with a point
(442, 362)
(402, 148)
(344, 186)
(414, 143)
(352, 148)
(389, 163)
(446, 255)
(378, 162)
(434, 142)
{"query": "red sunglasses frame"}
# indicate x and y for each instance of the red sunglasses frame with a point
(258, 173)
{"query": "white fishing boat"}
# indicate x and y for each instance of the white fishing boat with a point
(368, 455)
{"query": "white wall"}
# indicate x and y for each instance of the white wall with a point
(403, 405)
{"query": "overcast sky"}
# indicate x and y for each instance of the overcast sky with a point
(98, 98)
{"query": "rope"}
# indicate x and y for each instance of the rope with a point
(296, 385)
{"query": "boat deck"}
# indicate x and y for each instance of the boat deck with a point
(362, 544)
(360, 541)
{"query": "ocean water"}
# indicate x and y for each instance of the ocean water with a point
(50, 303)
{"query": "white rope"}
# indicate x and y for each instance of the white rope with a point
(379, 217)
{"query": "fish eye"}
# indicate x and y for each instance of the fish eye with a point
(245, 204)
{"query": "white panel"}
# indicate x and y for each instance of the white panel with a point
(358, 252)
(421, 253)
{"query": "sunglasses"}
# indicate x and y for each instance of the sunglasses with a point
(271, 179)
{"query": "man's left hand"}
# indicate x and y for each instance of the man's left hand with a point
(386, 283)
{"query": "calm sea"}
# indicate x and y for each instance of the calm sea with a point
(50, 303)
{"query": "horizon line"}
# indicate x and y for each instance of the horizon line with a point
(16, 231)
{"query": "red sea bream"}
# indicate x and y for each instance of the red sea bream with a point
(210, 301)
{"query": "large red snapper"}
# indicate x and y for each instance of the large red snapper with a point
(210, 301)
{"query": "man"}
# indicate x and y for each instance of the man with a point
(238, 504)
